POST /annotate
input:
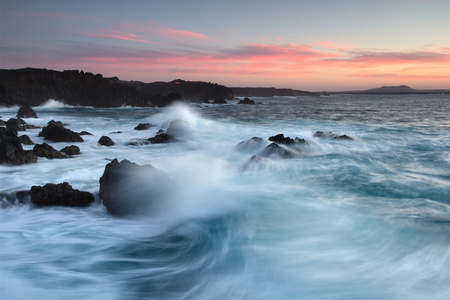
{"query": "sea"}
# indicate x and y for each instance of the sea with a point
(367, 218)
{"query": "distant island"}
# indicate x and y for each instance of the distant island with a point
(33, 87)
(399, 89)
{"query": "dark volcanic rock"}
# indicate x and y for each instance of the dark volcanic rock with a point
(251, 145)
(219, 101)
(71, 150)
(343, 137)
(143, 126)
(280, 139)
(11, 152)
(246, 101)
(127, 188)
(161, 139)
(45, 150)
(106, 141)
(2, 123)
(25, 139)
(59, 195)
(7, 133)
(56, 132)
(16, 124)
(26, 112)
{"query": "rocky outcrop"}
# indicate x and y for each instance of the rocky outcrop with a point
(25, 139)
(47, 151)
(11, 152)
(247, 101)
(56, 132)
(26, 112)
(32, 87)
(106, 141)
(280, 139)
(332, 136)
(219, 100)
(127, 188)
(59, 195)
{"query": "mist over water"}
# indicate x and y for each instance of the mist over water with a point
(361, 219)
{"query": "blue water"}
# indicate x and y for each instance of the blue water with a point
(361, 219)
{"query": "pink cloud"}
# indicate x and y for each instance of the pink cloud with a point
(119, 36)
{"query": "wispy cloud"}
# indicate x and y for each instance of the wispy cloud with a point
(119, 36)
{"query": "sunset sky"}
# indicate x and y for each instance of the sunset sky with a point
(311, 45)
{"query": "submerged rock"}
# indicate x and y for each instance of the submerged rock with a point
(178, 128)
(247, 101)
(45, 150)
(332, 136)
(275, 150)
(59, 195)
(143, 126)
(161, 139)
(127, 188)
(85, 133)
(26, 112)
(219, 101)
(106, 141)
(56, 132)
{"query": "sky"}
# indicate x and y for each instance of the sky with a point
(313, 45)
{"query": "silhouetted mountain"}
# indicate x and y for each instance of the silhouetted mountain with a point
(268, 92)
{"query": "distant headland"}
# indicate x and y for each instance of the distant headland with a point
(33, 87)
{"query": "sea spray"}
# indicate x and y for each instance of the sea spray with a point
(366, 219)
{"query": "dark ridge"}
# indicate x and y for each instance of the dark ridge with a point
(268, 92)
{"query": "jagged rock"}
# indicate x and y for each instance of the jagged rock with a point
(178, 128)
(300, 141)
(139, 142)
(26, 112)
(115, 132)
(59, 195)
(2, 123)
(47, 151)
(251, 145)
(219, 101)
(246, 101)
(343, 137)
(331, 135)
(56, 132)
(161, 138)
(85, 133)
(25, 139)
(71, 150)
(127, 188)
(106, 141)
(275, 150)
(143, 126)
(11, 152)
(53, 122)
(280, 139)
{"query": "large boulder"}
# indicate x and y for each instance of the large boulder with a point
(161, 138)
(45, 150)
(11, 152)
(25, 139)
(106, 141)
(56, 132)
(127, 188)
(16, 124)
(59, 195)
(26, 112)
(71, 150)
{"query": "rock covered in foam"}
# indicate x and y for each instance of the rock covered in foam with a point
(127, 188)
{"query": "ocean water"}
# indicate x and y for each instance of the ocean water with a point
(361, 219)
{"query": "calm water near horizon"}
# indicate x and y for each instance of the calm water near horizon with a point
(361, 219)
